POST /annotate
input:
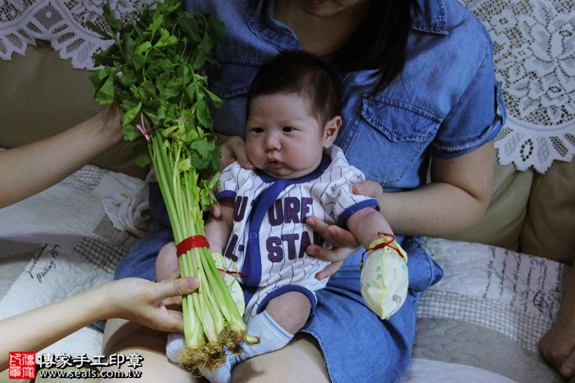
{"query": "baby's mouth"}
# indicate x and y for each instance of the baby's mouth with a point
(272, 162)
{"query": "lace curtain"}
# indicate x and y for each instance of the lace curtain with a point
(534, 45)
(534, 42)
(62, 22)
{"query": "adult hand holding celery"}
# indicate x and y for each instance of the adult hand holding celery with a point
(153, 71)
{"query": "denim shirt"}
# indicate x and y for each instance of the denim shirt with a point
(446, 102)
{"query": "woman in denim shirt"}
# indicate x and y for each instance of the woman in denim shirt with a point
(419, 92)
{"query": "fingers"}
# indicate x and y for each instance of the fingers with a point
(335, 235)
(174, 289)
(242, 158)
(558, 348)
(216, 211)
(344, 243)
(368, 188)
(177, 287)
(337, 254)
(185, 285)
(172, 303)
(233, 149)
(172, 323)
(568, 367)
(330, 270)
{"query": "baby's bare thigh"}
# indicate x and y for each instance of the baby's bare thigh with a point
(300, 361)
(290, 310)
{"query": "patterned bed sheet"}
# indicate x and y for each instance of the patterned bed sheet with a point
(483, 320)
(59, 243)
(480, 323)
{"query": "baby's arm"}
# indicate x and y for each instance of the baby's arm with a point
(366, 224)
(384, 277)
(219, 229)
(217, 232)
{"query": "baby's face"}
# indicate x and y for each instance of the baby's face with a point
(283, 138)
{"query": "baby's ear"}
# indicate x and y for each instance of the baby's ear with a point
(330, 131)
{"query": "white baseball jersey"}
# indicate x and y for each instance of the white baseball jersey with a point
(269, 236)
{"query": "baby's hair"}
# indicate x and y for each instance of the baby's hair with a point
(301, 73)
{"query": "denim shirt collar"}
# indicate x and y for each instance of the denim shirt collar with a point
(427, 16)
(266, 27)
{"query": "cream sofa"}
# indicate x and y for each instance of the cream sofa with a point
(504, 278)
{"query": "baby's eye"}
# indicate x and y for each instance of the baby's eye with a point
(256, 130)
(288, 129)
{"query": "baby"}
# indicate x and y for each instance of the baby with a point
(292, 120)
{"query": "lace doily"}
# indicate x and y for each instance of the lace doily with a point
(534, 44)
(61, 22)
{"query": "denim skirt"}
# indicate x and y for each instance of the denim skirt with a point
(357, 345)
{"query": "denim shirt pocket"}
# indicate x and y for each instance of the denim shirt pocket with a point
(389, 137)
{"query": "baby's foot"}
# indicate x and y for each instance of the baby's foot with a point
(222, 374)
(175, 346)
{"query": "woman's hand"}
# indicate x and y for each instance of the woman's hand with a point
(145, 302)
(233, 149)
(344, 244)
(369, 189)
(343, 241)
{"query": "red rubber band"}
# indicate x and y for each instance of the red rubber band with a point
(191, 243)
(233, 272)
(382, 245)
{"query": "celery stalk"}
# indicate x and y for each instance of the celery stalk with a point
(153, 70)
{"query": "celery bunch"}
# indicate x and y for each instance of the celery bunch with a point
(153, 71)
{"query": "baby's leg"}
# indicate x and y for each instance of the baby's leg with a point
(167, 264)
(284, 316)
(290, 310)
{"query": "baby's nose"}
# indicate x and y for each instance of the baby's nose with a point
(272, 142)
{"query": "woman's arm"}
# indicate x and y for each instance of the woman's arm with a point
(456, 198)
(137, 300)
(31, 168)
